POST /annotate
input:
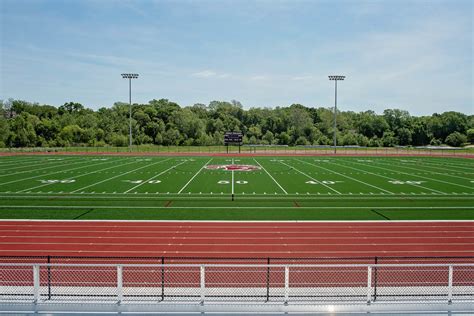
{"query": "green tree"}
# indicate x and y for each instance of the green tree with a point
(456, 139)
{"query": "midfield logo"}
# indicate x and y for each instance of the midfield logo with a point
(233, 167)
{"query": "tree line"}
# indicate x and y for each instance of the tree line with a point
(162, 122)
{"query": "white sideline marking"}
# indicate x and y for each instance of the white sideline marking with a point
(310, 177)
(379, 175)
(119, 175)
(146, 181)
(61, 171)
(271, 176)
(237, 207)
(354, 179)
(82, 175)
(187, 183)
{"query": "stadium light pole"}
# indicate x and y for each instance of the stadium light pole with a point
(130, 77)
(335, 78)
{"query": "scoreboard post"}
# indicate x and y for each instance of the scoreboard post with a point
(232, 138)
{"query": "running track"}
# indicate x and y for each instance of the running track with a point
(236, 239)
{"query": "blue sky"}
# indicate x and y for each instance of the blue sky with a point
(413, 55)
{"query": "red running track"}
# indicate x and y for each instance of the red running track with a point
(236, 239)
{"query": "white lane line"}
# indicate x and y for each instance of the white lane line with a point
(317, 181)
(61, 171)
(274, 180)
(159, 174)
(460, 185)
(200, 252)
(119, 175)
(40, 169)
(381, 176)
(179, 243)
(199, 171)
(348, 177)
(239, 207)
(81, 175)
(271, 238)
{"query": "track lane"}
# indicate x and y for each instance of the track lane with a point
(236, 239)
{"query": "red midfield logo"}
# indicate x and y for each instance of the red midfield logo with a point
(233, 167)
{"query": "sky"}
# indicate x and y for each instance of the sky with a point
(411, 55)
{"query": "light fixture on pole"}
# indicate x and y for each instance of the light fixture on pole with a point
(335, 78)
(130, 77)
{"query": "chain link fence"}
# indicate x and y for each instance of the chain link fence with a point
(253, 283)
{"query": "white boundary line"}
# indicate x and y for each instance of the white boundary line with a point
(270, 176)
(348, 177)
(157, 175)
(180, 222)
(310, 177)
(205, 164)
(237, 207)
(119, 175)
(428, 177)
(382, 176)
(78, 176)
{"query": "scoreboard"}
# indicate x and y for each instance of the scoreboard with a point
(233, 138)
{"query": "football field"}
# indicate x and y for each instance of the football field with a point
(236, 188)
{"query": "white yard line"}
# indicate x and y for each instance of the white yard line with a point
(274, 180)
(427, 178)
(159, 174)
(78, 176)
(435, 165)
(232, 178)
(317, 181)
(22, 163)
(433, 172)
(393, 179)
(122, 174)
(39, 169)
(48, 174)
(348, 177)
(199, 171)
(463, 166)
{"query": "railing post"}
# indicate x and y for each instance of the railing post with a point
(203, 284)
(36, 283)
(287, 283)
(450, 284)
(119, 283)
(268, 279)
(369, 284)
(162, 278)
(49, 277)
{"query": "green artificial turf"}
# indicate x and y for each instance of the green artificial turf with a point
(280, 188)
